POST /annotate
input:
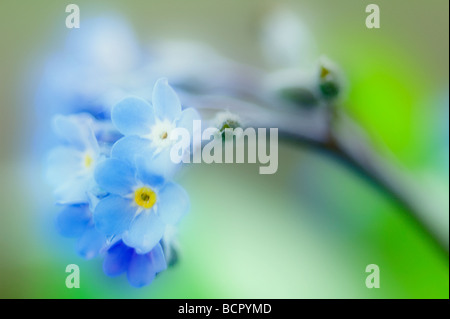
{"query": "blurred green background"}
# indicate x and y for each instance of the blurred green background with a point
(306, 232)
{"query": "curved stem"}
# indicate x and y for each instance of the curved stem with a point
(332, 130)
(351, 144)
(247, 92)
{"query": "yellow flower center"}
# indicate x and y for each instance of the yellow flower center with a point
(145, 197)
(164, 135)
(88, 161)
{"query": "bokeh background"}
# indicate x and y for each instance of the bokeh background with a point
(306, 232)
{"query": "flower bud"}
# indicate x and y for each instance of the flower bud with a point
(224, 120)
(329, 81)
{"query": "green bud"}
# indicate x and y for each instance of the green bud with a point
(329, 82)
(329, 89)
(226, 120)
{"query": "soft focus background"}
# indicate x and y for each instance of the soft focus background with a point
(306, 232)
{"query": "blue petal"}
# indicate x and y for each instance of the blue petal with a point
(106, 132)
(159, 165)
(145, 232)
(115, 176)
(62, 162)
(172, 203)
(187, 118)
(113, 215)
(117, 259)
(157, 258)
(128, 147)
(74, 190)
(133, 116)
(72, 221)
(77, 130)
(66, 174)
(140, 271)
(90, 243)
(151, 172)
(165, 101)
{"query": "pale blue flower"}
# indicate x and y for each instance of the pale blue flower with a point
(141, 269)
(140, 204)
(75, 221)
(147, 127)
(70, 167)
(101, 63)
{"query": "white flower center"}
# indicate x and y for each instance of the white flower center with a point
(160, 133)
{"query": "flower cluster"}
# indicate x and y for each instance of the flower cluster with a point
(117, 195)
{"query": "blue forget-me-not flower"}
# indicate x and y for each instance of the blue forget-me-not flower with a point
(75, 221)
(140, 268)
(140, 202)
(147, 127)
(112, 172)
(70, 168)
